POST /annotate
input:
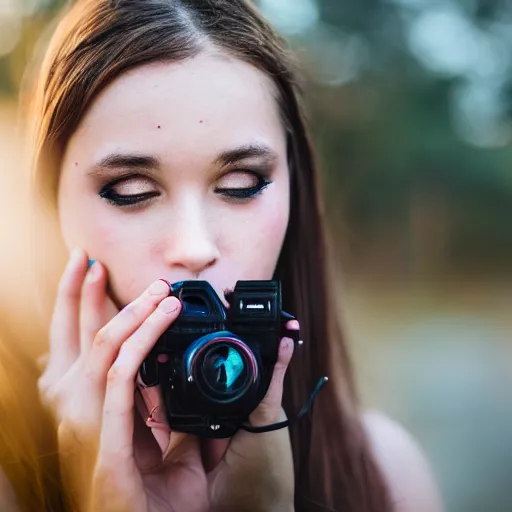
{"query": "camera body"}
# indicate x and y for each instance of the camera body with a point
(218, 361)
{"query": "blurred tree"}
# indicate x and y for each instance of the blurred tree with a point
(389, 137)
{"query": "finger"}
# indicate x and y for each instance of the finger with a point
(213, 452)
(146, 450)
(117, 429)
(293, 325)
(64, 330)
(42, 362)
(151, 408)
(171, 446)
(109, 338)
(93, 310)
(269, 410)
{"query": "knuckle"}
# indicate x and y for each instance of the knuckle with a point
(67, 289)
(117, 375)
(43, 384)
(47, 390)
(102, 337)
(90, 373)
(130, 313)
(279, 374)
(42, 362)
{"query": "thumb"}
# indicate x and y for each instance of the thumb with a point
(270, 408)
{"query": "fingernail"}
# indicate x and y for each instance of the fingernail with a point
(75, 255)
(169, 305)
(159, 287)
(167, 283)
(293, 325)
(94, 273)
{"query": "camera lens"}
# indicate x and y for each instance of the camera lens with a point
(222, 366)
(224, 369)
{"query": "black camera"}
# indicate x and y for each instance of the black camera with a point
(218, 361)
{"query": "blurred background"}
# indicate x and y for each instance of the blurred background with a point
(411, 107)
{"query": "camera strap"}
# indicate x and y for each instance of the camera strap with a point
(308, 406)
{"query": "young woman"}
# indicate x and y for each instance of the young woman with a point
(170, 138)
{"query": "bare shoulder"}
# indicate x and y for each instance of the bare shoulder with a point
(403, 464)
(8, 502)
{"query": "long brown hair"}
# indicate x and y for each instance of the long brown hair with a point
(97, 41)
(27, 454)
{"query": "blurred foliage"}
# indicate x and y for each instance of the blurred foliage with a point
(411, 107)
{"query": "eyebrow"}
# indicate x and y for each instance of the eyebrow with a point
(146, 162)
(126, 161)
(233, 156)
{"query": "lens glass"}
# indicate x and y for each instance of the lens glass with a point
(225, 370)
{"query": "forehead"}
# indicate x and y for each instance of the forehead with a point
(197, 105)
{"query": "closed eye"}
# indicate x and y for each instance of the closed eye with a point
(129, 190)
(242, 184)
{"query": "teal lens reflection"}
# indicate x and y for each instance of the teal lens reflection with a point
(224, 369)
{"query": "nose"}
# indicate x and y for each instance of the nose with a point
(190, 243)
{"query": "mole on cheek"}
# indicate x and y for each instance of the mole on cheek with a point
(201, 121)
(159, 127)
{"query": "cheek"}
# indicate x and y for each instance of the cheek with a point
(121, 244)
(125, 248)
(271, 231)
(252, 243)
(90, 228)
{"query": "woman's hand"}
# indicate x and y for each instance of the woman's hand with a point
(110, 461)
(95, 355)
(256, 471)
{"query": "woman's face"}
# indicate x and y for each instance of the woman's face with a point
(179, 171)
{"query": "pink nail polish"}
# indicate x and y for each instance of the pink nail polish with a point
(294, 325)
(167, 283)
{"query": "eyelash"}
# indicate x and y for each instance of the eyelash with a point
(235, 194)
(246, 194)
(124, 201)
